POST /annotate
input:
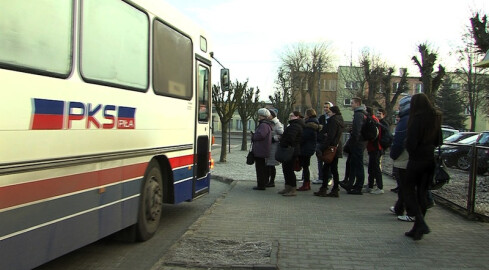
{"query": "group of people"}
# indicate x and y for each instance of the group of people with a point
(416, 136)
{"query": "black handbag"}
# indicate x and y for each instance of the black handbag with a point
(440, 176)
(284, 154)
(250, 158)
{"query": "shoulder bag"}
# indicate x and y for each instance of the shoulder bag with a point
(250, 158)
(284, 154)
(328, 154)
(441, 177)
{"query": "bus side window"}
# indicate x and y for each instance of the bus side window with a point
(172, 62)
(115, 44)
(203, 92)
(36, 36)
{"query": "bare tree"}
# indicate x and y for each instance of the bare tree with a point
(225, 103)
(426, 68)
(248, 105)
(389, 99)
(284, 98)
(474, 80)
(480, 32)
(305, 63)
(374, 70)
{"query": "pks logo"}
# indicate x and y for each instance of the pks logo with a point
(58, 114)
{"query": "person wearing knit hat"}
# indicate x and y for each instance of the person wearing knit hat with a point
(400, 159)
(264, 112)
(404, 104)
(261, 144)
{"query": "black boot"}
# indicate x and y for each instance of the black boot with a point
(322, 192)
(334, 193)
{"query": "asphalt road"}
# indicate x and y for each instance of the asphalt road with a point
(110, 253)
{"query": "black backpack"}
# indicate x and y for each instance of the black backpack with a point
(369, 129)
(386, 137)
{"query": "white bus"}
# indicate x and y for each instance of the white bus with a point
(105, 109)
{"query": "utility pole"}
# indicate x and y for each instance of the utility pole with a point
(319, 86)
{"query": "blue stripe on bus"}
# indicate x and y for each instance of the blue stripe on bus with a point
(47, 106)
(30, 249)
(47, 211)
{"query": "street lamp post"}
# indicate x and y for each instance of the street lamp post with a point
(229, 134)
(319, 85)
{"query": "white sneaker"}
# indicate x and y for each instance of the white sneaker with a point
(377, 191)
(406, 218)
(330, 182)
(317, 182)
(392, 209)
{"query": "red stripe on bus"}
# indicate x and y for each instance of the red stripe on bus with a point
(47, 188)
(182, 161)
(47, 121)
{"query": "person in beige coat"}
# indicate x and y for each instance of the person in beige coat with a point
(277, 131)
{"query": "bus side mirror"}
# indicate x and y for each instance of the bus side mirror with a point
(225, 81)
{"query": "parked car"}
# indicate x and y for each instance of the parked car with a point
(482, 153)
(459, 155)
(447, 132)
(459, 136)
(456, 155)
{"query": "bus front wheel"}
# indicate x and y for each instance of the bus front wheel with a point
(150, 203)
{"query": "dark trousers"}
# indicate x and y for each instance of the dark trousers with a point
(374, 172)
(289, 174)
(305, 163)
(419, 173)
(331, 168)
(261, 172)
(357, 173)
(347, 169)
(272, 172)
(401, 194)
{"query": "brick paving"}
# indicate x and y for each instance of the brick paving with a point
(350, 232)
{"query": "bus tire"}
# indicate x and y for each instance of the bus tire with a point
(150, 204)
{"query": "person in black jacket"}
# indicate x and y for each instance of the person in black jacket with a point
(423, 135)
(291, 137)
(331, 135)
(323, 119)
(308, 147)
(356, 145)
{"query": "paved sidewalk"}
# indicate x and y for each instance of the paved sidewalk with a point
(350, 232)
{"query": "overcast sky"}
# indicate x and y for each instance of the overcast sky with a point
(248, 36)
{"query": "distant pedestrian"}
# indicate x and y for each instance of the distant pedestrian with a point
(356, 146)
(323, 119)
(400, 157)
(331, 136)
(374, 154)
(262, 141)
(291, 137)
(308, 147)
(277, 131)
(423, 135)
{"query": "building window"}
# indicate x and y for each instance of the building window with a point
(352, 85)
(395, 86)
(347, 102)
(418, 88)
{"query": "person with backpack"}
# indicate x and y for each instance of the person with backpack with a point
(387, 138)
(374, 150)
(356, 146)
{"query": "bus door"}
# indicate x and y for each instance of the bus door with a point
(203, 136)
